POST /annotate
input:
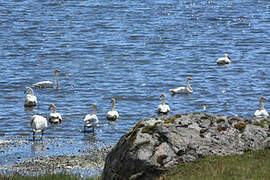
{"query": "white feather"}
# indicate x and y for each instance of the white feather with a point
(30, 100)
(112, 115)
(38, 123)
(224, 60)
(163, 109)
(55, 118)
(44, 84)
(261, 113)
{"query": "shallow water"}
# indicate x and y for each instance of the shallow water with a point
(133, 51)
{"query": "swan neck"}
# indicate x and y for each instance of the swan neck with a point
(94, 109)
(53, 107)
(188, 86)
(56, 79)
(261, 105)
(113, 104)
(163, 100)
(31, 91)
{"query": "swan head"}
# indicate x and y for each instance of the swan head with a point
(29, 89)
(227, 56)
(56, 71)
(113, 100)
(263, 99)
(163, 95)
(52, 106)
(189, 78)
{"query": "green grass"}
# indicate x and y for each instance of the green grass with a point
(46, 177)
(250, 165)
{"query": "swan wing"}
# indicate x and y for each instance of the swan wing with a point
(180, 90)
(112, 115)
(44, 84)
(261, 113)
(38, 123)
(30, 100)
(163, 109)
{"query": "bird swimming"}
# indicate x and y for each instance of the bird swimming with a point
(224, 60)
(163, 108)
(113, 114)
(30, 99)
(38, 124)
(55, 117)
(183, 90)
(91, 120)
(262, 112)
(48, 84)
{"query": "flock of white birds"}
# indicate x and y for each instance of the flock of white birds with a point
(39, 123)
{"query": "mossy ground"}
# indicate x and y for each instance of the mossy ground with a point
(250, 165)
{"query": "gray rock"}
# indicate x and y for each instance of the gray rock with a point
(155, 145)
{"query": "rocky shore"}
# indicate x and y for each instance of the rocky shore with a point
(83, 165)
(157, 144)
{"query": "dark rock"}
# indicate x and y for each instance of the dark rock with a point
(155, 145)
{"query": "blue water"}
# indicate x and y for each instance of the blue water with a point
(133, 51)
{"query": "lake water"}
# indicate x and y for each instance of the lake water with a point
(130, 50)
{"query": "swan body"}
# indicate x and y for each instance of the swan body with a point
(30, 99)
(163, 108)
(224, 60)
(113, 114)
(183, 90)
(91, 120)
(262, 112)
(55, 117)
(38, 124)
(48, 84)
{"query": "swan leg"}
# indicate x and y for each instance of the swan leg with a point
(33, 135)
(42, 134)
(84, 128)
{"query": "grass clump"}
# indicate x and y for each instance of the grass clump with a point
(250, 165)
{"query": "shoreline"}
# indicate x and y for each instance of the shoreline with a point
(89, 163)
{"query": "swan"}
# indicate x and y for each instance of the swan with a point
(54, 117)
(224, 60)
(91, 120)
(38, 124)
(113, 114)
(262, 112)
(48, 84)
(183, 90)
(30, 99)
(163, 108)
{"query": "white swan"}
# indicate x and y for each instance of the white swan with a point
(54, 117)
(48, 84)
(163, 108)
(262, 112)
(224, 60)
(183, 90)
(113, 114)
(38, 124)
(30, 99)
(91, 120)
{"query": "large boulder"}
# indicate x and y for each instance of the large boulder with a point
(157, 144)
